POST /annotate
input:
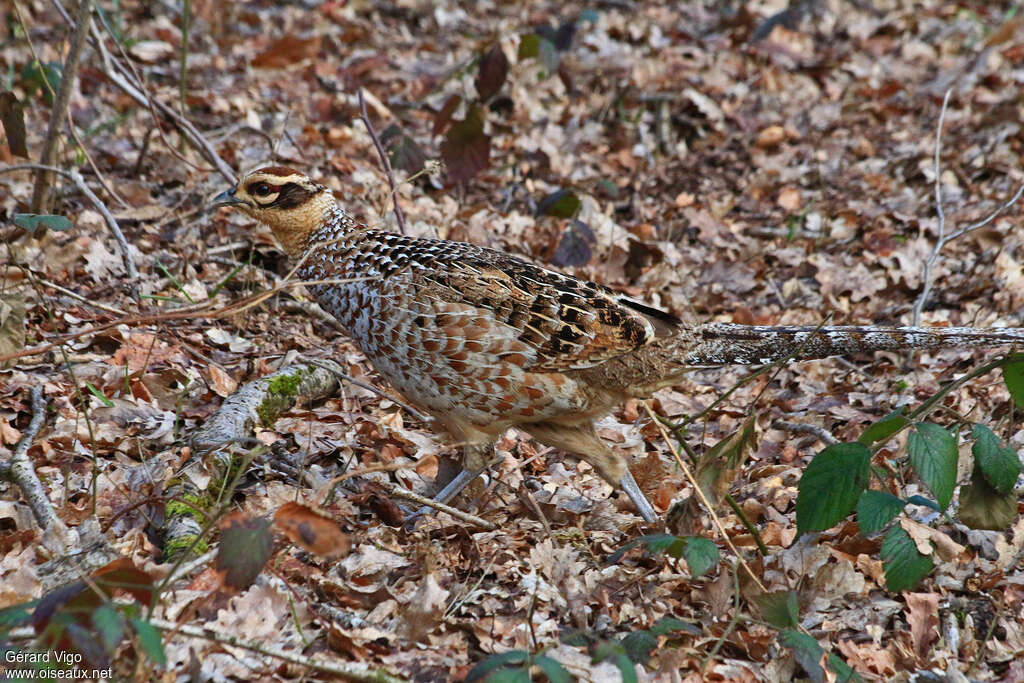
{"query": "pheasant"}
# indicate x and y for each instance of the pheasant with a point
(483, 341)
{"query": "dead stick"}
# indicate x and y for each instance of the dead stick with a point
(79, 32)
(21, 472)
(406, 494)
(399, 216)
(348, 670)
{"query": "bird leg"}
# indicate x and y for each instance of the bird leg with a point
(474, 463)
(583, 442)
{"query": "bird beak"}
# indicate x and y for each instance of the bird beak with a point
(226, 198)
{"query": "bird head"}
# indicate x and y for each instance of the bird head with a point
(283, 199)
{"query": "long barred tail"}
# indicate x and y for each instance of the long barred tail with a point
(727, 343)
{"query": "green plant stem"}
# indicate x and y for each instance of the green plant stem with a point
(933, 402)
(761, 547)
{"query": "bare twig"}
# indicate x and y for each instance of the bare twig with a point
(125, 78)
(406, 494)
(44, 179)
(385, 162)
(203, 310)
(97, 203)
(369, 387)
(92, 164)
(944, 239)
(78, 297)
(21, 472)
(347, 670)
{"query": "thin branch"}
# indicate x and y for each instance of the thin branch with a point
(365, 117)
(83, 299)
(108, 217)
(204, 310)
(944, 239)
(926, 276)
(348, 670)
(406, 494)
(369, 387)
(92, 164)
(41, 191)
(988, 219)
(129, 83)
(22, 473)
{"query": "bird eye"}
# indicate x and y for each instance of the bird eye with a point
(261, 190)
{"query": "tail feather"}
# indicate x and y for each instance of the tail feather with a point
(727, 343)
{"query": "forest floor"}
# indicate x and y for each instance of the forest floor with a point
(717, 160)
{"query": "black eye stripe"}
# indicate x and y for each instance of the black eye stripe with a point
(262, 189)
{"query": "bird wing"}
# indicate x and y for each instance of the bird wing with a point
(572, 324)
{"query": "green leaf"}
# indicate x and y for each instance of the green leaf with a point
(933, 455)
(1013, 375)
(926, 502)
(904, 565)
(36, 76)
(98, 394)
(984, 507)
(34, 221)
(667, 625)
(562, 203)
(884, 429)
(534, 46)
(701, 555)
(626, 668)
(655, 543)
(1000, 465)
(245, 546)
(150, 640)
(831, 485)
(482, 671)
(520, 675)
(808, 654)
(110, 625)
(84, 641)
(781, 609)
(403, 151)
(876, 509)
(575, 246)
(17, 615)
(552, 668)
(639, 645)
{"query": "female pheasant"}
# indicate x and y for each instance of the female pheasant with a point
(484, 341)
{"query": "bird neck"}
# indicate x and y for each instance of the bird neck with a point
(294, 228)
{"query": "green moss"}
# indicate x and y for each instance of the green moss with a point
(226, 466)
(178, 508)
(281, 392)
(175, 547)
